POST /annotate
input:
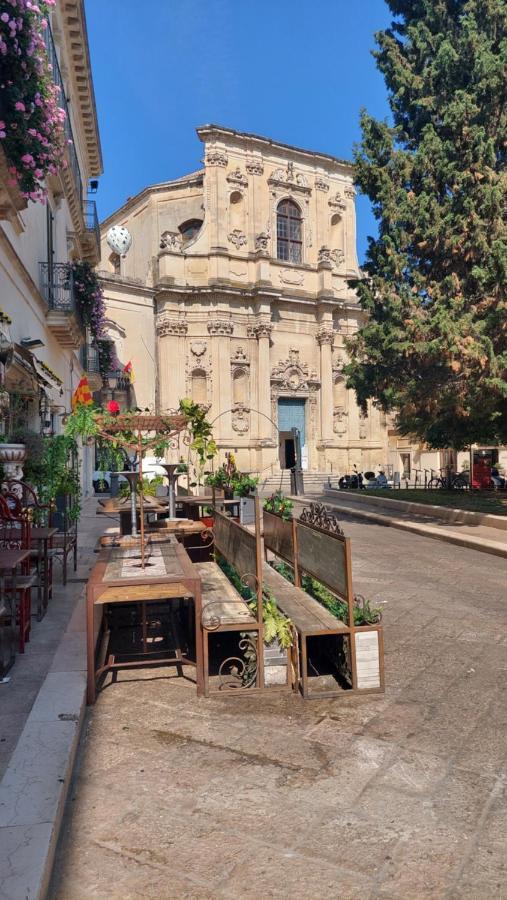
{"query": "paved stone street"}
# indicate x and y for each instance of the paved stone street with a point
(395, 796)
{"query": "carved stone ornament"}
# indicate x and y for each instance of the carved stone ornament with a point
(198, 348)
(340, 420)
(362, 426)
(216, 158)
(321, 184)
(221, 327)
(262, 241)
(237, 238)
(325, 335)
(319, 516)
(260, 330)
(254, 167)
(239, 356)
(240, 418)
(291, 276)
(288, 178)
(324, 256)
(167, 324)
(337, 203)
(236, 177)
(338, 258)
(291, 376)
(171, 240)
(350, 192)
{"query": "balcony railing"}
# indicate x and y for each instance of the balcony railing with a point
(62, 101)
(90, 359)
(57, 286)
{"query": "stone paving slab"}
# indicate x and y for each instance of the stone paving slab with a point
(394, 796)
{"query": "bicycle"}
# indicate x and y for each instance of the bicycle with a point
(453, 482)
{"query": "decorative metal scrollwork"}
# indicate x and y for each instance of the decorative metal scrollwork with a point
(238, 672)
(317, 515)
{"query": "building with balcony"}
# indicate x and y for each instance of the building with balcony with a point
(38, 243)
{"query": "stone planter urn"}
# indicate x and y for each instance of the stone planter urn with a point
(12, 457)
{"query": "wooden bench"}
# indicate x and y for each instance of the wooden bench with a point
(224, 609)
(315, 544)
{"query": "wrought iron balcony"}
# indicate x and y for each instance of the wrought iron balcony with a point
(57, 288)
(90, 363)
(62, 102)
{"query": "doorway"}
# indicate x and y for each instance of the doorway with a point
(291, 414)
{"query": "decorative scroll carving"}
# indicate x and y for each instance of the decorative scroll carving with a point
(221, 326)
(198, 348)
(292, 376)
(291, 276)
(237, 238)
(171, 240)
(260, 330)
(290, 179)
(324, 256)
(254, 167)
(338, 257)
(325, 335)
(240, 418)
(321, 184)
(216, 158)
(319, 516)
(238, 178)
(239, 356)
(340, 420)
(167, 324)
(337, 203)
(262, 241)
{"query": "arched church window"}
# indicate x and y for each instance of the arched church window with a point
(289, 231)
(188, 230)
(199, 386)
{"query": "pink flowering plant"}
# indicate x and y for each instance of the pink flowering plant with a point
(32, 131)
(90, 301)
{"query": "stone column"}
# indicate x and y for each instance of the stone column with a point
(325, 338)
(171, 339)
(262, 332)
(221, 331)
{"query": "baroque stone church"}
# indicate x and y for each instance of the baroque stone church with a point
(235, 293)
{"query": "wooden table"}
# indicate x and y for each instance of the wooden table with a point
(9, 561)
(195, 506)
(118, 578)
(122, 509)
(44, 537)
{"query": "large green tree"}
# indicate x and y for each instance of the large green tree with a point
(434, 343)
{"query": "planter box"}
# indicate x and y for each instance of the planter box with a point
(246, 510)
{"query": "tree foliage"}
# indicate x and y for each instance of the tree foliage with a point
(434, 343)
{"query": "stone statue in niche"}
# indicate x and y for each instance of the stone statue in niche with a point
(339, 420)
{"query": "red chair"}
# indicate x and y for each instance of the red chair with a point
(15, 534)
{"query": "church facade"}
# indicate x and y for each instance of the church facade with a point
(235, 293)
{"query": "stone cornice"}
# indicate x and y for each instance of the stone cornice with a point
(223, 327)
(83, 95)
(170, 325)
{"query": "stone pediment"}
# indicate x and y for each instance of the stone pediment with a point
(291, 376)
(289, 179)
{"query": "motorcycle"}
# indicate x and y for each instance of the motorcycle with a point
(353, 482)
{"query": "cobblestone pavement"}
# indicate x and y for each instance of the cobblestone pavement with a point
(395, 796)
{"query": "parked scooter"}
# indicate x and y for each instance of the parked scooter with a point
(353, 482)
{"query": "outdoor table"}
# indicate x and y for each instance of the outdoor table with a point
(118, 578)
(9, 561)
(195, 507)
(122, 509)
(44, 538)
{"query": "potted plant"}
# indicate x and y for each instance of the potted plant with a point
(279, 505)
(244, 484)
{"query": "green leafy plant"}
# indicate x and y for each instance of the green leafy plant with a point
(202, 442)
(279, 505)
(277, 627)
(82, 422)
(149, 487)
(244, 484)
(364, 613)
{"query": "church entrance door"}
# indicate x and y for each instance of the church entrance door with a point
(291, 414)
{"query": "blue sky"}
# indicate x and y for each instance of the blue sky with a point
(296, 72)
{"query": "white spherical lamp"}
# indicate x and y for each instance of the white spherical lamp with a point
(119, 240)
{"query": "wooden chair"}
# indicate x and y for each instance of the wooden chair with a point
(15, 534)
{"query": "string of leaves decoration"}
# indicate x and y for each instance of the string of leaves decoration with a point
(236, 672)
